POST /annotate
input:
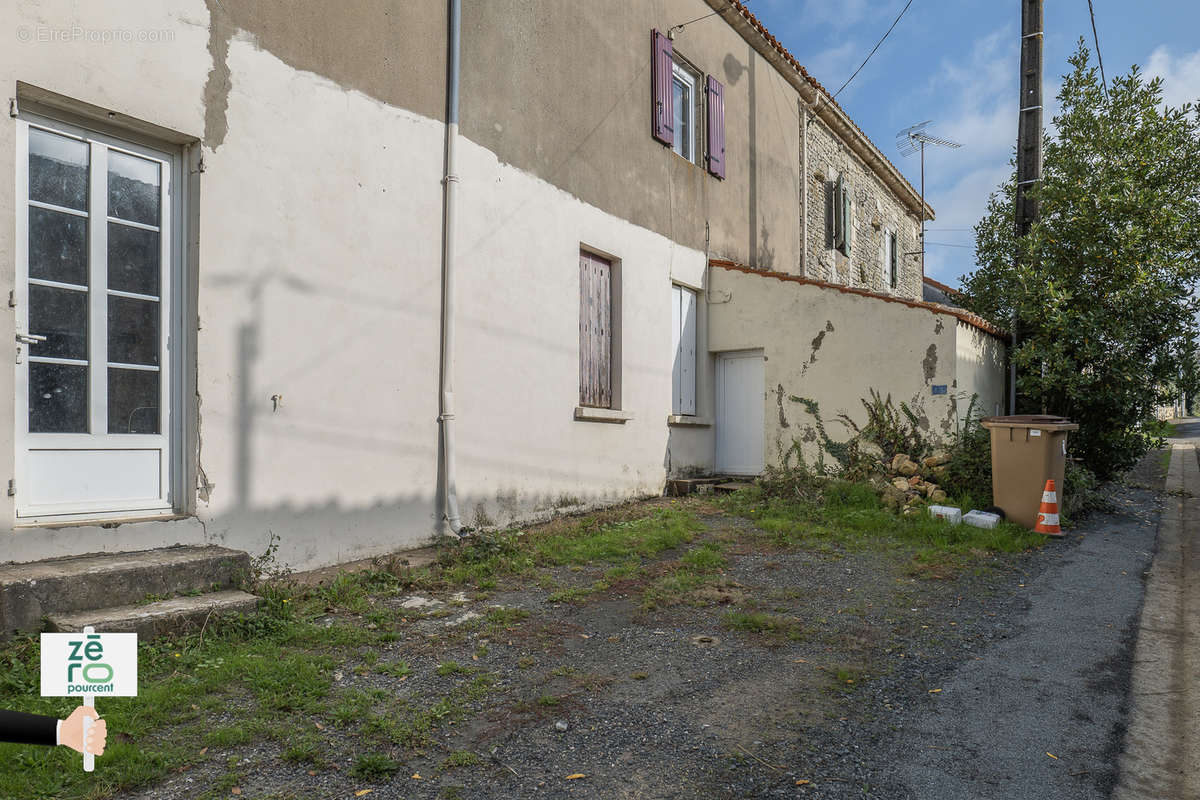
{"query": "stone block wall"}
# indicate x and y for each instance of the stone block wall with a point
(876, 211)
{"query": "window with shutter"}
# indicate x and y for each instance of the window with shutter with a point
(662, 93)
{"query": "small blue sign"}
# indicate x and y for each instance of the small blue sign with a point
(939, 388)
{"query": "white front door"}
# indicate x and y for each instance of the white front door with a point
(741, 395)
(93, 318)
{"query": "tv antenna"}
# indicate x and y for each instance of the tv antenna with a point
(909, 141)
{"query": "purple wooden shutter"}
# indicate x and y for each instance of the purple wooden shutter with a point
(716, 127)
(662, 113)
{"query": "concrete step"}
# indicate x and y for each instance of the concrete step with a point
(29, 592)
(179, 614)
(678, 487)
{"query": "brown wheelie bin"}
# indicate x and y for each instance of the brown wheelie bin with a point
(1027, 451)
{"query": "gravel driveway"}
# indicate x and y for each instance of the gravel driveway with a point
(1008, 680)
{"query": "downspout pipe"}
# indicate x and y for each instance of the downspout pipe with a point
(449, 504)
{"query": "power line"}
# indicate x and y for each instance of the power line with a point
(1096, 39)
(873, 49)
(947, 244)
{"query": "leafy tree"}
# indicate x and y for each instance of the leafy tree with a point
(1101, 289)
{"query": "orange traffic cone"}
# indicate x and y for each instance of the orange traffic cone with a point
(1047, 518)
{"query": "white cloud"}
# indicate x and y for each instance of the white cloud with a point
(1180, 74)
(832, 66)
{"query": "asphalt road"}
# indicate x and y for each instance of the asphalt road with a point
(1187, 431)
(1041, 714)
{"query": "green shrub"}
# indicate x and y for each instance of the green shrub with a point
(969, 471)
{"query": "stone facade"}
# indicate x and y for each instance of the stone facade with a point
(876, 211)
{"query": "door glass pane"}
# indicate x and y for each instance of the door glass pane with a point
(58, 246)
(132, 401)
(58, 170)
(133, 259)
(61, 316)
(58, 400)
(132, 331)
(133, 188)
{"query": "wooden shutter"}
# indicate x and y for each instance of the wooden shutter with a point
(716, 126)
(595, 331)
(662, 114)
(845, 210)
(839, 226)
(894, 259)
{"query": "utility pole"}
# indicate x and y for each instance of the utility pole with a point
(1029, 144)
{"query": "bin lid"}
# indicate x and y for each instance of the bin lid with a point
(1046, 422)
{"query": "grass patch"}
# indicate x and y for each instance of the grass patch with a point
(460, 758)
(851, 516)
(374, 766)
(664, 529)
(397, 669)
(773, 626)
(452, 668)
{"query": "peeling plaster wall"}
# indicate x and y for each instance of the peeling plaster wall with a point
(833, 347)
(981, 370)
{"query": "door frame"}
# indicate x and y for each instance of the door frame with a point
(719, 408)
(174, 301)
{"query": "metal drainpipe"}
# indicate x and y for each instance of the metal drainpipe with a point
(450, 189)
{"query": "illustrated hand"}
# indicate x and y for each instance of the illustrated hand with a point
(71, 733)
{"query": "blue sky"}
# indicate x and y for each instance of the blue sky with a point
(956, 63)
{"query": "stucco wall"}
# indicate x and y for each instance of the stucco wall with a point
(317, 278)
(981, 371)
(574, 109)
(833, 347)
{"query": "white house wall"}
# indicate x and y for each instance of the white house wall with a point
(520, 450)
(319, 230)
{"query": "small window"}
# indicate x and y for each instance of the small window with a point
(683, 335)
(684, 99)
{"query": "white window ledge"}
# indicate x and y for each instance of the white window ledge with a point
(587, 414)
(689, 421)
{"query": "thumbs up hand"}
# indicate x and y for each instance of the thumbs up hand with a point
(71, 733)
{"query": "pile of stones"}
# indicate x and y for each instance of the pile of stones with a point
(909, 485)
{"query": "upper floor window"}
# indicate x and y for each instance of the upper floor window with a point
(683, 96)
(690, 124)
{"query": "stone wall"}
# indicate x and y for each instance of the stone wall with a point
(876, 211)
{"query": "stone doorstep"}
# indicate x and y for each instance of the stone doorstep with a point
(679, 487)
(154, 619)
(31, 591)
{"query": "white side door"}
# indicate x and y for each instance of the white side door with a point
(93, 320)
(741, 395)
